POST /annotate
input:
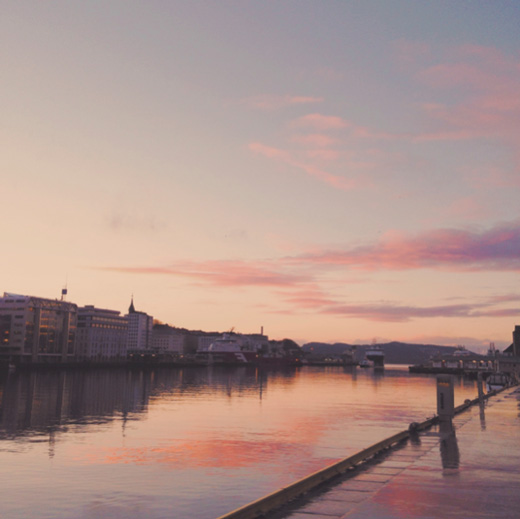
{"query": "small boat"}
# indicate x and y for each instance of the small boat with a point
(365, 363)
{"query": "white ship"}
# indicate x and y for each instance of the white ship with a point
(376, 355)
(226, 350)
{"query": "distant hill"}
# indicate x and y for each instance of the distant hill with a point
(395, 352)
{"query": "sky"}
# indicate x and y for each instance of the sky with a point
(334, 171)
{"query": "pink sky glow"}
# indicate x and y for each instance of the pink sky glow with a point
(330, 171)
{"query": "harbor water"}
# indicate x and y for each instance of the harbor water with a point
(194, 442)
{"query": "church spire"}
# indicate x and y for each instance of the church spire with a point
(131, 308)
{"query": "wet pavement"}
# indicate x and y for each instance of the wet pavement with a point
(468, 469)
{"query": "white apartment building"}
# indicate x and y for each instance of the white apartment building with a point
(139, 333)
(101, 335)
(34, 329)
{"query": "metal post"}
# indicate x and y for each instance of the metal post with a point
(445, 397)
(480, 387)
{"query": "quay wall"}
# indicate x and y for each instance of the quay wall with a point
(271, 502)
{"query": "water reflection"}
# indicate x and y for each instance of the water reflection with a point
(449, 447)
(482, 415)
(40, 402)
(44, 401)
(200, 441)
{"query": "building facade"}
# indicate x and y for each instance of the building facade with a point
(34, 329)
(166, 339)
(139, 332)
(101, 335)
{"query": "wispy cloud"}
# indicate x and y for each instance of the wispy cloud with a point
(311, 169)
(473, 95)
(497, 248)
(488, 104)
(451, 249)
(303, 282)
(467, 207)
(402, 313)
(225, 273)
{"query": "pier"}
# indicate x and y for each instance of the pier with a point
(464, 468)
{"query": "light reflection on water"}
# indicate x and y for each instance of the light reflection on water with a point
(193, 442)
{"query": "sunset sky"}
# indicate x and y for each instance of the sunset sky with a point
(330, 170)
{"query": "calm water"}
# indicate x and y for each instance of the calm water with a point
(188, 443)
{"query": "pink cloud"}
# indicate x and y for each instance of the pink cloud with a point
(449, 75)
(321, 122)
(488, 83)
(399, 313)
(269, 151)
(230, 273)
(309, 296)
(319, 302)
(504, 298)
(452, 249)
(311, 169)
(466, 207)
(449, 249)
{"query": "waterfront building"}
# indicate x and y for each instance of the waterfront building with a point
(509, 360)
(515, 347)
(139, 332)
(101, 335)
(166, 339)
(34, 329)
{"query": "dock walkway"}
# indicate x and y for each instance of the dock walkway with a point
(469, 470)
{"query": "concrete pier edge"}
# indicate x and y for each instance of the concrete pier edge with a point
(282, 496)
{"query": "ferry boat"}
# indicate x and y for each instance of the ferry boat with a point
(376, 355)
(225, 350)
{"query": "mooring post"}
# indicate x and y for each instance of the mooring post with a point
(445, 398)
(480, 387)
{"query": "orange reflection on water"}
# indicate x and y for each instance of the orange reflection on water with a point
(200, 453)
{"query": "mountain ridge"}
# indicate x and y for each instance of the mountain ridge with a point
(396, 352)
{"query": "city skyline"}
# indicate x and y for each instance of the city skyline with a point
(331, 171)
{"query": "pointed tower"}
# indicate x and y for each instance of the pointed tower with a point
(131, 308)
(139, 331)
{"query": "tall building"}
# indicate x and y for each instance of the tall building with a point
(34, 329)
(139, 334)
(516, 342)
(101, 335)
